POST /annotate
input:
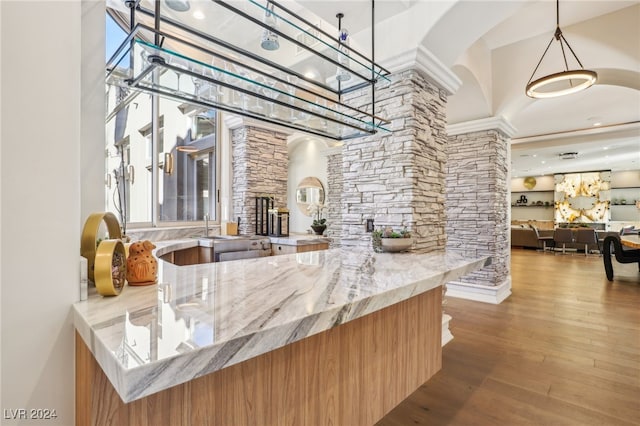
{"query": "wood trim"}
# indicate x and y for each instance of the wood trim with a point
(352, 375)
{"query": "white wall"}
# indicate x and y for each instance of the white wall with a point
(48, 126)
(628, 178)
(307, 157)
(543, 183)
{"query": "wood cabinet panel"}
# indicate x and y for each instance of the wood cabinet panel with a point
(352, 374)
(277, 249)
(188, 256)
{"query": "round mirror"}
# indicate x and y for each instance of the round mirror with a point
(309, 190)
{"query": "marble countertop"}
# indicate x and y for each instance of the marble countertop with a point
(202, 318)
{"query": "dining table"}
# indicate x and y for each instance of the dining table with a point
(632, 240)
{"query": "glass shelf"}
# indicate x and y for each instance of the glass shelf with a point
(303, 46)
(212, 80)
(188, 65)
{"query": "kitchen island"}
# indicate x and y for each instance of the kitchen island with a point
(337, 336)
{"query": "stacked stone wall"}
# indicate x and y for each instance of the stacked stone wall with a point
(397, 178)
(334, 198)
(477, 203)
(260, 162)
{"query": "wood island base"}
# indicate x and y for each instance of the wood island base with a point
(352, 374)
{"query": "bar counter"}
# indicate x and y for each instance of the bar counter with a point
(202, 322)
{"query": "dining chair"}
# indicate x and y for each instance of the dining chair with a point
(547, 241)
(562, 236)
(587, 236)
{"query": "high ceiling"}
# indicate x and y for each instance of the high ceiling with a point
(493, 47)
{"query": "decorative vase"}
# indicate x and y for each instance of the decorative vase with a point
(318, 229)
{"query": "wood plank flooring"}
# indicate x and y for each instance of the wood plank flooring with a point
(563, 349)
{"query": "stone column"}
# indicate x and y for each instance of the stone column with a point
(334, 196)
(259, 164)
(397, 178)
(477, 205)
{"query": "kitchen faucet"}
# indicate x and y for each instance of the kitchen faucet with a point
(206, 225)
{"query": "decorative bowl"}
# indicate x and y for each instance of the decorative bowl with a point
(394, 245)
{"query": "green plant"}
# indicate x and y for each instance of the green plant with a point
(316, 210)
(388, 232)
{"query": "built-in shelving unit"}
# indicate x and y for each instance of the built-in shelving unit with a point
(623, 204)
(532, 205)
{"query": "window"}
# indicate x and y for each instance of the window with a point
(185, 181)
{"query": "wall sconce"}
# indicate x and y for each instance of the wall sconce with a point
(131, 174)
(168, 163)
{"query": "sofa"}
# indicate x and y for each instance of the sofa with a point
(525, 236)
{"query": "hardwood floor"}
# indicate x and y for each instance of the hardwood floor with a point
(563, 349)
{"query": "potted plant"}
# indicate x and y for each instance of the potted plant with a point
(319, 223)
(391, 241)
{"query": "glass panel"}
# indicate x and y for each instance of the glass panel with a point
(202, 189)
(186, 178)
(128, 182)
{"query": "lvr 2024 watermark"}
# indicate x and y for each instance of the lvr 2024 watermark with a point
(29, 414)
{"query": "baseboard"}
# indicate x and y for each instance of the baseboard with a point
(480, 293)
(446, 332)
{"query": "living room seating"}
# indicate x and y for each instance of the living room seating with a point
(587, 236)
(563, 236)
(529, 237)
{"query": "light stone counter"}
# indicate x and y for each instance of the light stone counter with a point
(203, 318)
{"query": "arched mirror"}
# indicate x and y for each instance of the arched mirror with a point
(309, 190)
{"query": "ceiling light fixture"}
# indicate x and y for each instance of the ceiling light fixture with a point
(178, 5)
(568, 155)
(343, 47)
(564, 82)
(269, 38)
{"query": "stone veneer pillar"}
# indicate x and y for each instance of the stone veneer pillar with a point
(334, 196)
(396, 178)
(477, 205)
(260, 161)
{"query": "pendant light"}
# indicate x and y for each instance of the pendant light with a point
(178, 5)
(563, 82)
(269, 38)
(343, 46)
